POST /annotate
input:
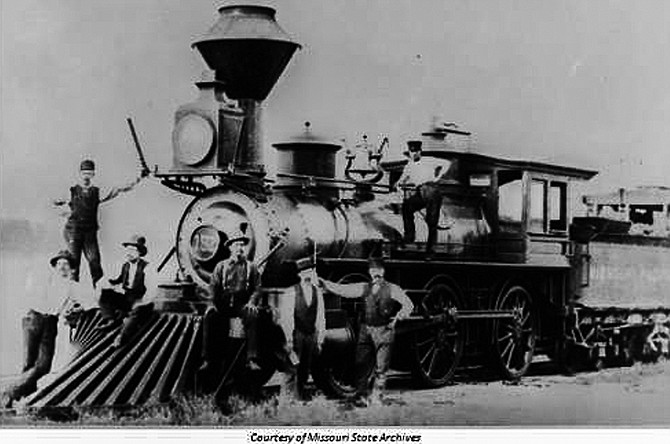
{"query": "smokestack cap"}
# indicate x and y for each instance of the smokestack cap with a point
(247, 49)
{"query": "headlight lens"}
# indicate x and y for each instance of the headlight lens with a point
(193, 139)
(205, 243)
(635, 318)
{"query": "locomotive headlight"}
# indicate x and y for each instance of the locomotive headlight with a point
(193, 139)
(635, 318)
(205, 243)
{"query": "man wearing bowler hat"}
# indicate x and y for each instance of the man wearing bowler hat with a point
(81, 228)
(385, 303)
(302, 318)
(234, 289)
(419, 181)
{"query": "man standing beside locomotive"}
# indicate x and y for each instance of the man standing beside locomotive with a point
(81, 228)
(385, 304)
(234, 289)
(421, 176)
(302, 318)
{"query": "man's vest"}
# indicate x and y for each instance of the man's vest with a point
(135, 289)
(305, 315)
(380, 307)
(84, 208)
(235, 285)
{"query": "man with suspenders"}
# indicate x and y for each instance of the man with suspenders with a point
(234, 291)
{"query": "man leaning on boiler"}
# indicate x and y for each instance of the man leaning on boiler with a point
(385, 303)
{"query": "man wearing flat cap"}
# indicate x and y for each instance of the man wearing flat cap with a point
(81, 228)
(421, 191)
(234, 289)
(385, 303)
(61, 299)
(303, 320)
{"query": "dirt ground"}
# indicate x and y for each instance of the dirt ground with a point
(637, 396)
(615, 397)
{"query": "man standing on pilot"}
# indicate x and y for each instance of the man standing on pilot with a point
(81, 228)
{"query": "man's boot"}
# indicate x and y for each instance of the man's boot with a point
(32, 333)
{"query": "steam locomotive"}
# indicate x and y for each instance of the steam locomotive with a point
(503, 284)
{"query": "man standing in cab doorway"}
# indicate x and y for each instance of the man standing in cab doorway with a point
(81, 228)
(385, 304)
(234, 288)
(418, 180)
(302, 318)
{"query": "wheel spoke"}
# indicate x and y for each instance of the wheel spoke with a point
(432, 363)
(504, 352)
(588, 336)
(427, 341)
(427, 354)
(511, 354)
(508, 335)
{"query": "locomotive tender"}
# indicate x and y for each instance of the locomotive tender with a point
(502, 286)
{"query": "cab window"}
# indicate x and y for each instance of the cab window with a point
(538, 205)
(558, 220)
(510, 197)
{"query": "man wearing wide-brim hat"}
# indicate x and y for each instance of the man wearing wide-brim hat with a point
(130, 281)
(81, 228)
(129, 287)
(61, 298)
(302, 318)
(234, 295)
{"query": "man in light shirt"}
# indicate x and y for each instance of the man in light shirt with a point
(302, 318)
(419, 180)
(385, 304)
(60, 297)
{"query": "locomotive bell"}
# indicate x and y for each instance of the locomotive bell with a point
(247, 49)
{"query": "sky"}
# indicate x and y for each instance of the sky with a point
(583, 83)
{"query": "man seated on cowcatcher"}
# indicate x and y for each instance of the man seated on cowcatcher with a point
(234, 291)
(128, 288)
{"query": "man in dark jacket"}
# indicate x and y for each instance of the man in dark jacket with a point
(385, 304)
(81, 228)
(129, 287)
(234, 291)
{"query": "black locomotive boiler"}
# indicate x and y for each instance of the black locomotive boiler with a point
(501, 287)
